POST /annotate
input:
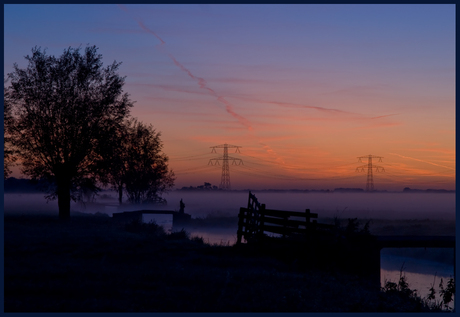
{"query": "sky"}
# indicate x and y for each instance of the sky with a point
(304, 90)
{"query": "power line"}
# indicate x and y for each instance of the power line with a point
(289, 167)
(194, 170)
(188, 158)
(262, 173)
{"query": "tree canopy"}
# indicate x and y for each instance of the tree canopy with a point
(8, 151)
(135, 163)
(63, 109)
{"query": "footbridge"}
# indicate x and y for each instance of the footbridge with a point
(179, 218)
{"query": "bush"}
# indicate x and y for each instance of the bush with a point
(151, 228)
(198, 240)
(402, 291)
(178, 235)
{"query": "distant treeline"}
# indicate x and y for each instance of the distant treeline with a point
(408, 190)
(206, 186)
(209, 187)
(23, 185)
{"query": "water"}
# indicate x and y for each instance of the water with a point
(422, 271)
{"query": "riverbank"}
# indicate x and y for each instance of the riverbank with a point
(92, 264)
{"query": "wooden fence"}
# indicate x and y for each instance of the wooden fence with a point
(256, 219)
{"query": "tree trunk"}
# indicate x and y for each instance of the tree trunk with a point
(120, 193)
(63, 193)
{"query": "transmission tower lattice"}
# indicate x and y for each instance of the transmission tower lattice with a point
(225, 179)
(370, 177)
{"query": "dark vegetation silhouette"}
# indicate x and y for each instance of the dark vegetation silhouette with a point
(63, 112)
(8, 154)
(23, 185)
(206, 187)
(137, 266)
(404, 295)
(135, 163)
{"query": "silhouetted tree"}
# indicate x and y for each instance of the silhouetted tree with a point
(63, 109)
(114, 165)
(8, 151)
(139, 165)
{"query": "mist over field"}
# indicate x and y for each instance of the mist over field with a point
(408, 210)
(201, 204)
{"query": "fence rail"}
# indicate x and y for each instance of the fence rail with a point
(256, 219)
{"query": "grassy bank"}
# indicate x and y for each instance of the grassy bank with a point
(92, 264)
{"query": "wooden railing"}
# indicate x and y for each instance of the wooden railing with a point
(255, 220)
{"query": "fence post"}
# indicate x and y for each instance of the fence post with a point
(262, 219)
(307, 220)
(285, 225)
(240, 226)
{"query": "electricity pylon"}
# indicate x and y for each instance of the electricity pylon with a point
(225, 179)
(370, 178)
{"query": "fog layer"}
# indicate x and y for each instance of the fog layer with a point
(201, 204)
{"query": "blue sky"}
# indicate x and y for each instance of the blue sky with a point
(303, 88)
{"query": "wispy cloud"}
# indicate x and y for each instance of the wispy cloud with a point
(378, 125)
(174, 88)
(242, 81)
(357, 89)
(437, 150)
(423, 161)
(295, 106)
(201, 82)
(333, 112)
(270, 151)
(116, 30)
(385, 116)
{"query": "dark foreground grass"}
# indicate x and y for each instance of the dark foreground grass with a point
(92, 264)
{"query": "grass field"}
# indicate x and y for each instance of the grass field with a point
(92, 264)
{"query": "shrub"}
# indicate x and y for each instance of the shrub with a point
(151, 228)
(198, 240)
(179, 235)
(402, 290)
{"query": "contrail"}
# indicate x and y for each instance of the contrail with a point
(296, 106)
(203, 85)
(201, 82)
(290, 105)
(141, 24)
(150, 31)
(411, 158)
(122, 7)
(229, 109)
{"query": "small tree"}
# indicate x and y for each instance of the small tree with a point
(113, 166)
(63, 109)
(141, 167)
